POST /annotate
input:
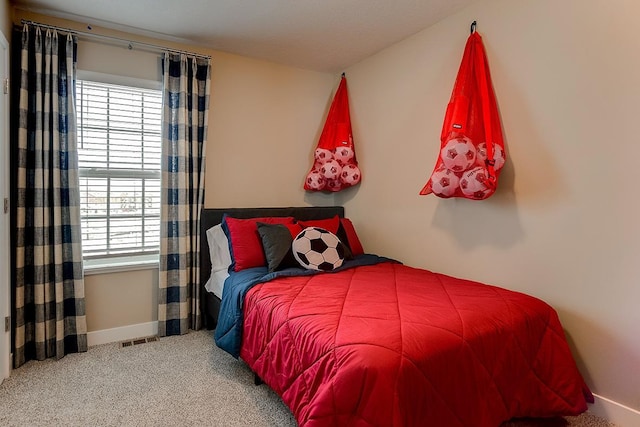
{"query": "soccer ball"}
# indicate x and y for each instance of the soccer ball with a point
(498, 155)
(315, 180)
(318, 249)
(350, 174)
(458, 154)
(331, 169)
(343, 155)
(444, 182)
(472, 183)
(323, 155)
(333, 185)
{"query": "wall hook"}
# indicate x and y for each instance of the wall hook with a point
(473, 27)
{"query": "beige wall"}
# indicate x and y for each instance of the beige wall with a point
(5, 19)
(564, 223)
(266, 120)
(121, 299)
(263, 124)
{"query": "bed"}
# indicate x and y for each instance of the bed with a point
(378, 343)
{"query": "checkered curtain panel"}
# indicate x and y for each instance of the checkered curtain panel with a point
(49, 288)
(184, 126)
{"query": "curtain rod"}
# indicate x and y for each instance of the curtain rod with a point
(130, 44)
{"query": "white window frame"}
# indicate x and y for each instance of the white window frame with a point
(109, 263)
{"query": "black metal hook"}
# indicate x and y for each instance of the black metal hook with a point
(473, 27)
(342, 74)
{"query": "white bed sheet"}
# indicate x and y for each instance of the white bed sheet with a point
(215, 283)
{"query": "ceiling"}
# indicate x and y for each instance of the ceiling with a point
(322, 35)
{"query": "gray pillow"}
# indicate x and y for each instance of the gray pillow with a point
(276, 243)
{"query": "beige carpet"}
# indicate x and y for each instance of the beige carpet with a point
(176, 381)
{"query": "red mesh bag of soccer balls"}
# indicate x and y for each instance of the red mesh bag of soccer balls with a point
(334, 165)
(472, 149)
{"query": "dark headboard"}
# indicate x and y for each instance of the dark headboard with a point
(213, 216)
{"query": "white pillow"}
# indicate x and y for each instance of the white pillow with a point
(220, 259)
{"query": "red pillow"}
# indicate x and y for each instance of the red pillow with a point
(294, 229)
(352, 237)
(244, 241)
(329, 224)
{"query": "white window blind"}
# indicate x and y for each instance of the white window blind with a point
(119, 167)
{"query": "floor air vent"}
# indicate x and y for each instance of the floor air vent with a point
(137, 341)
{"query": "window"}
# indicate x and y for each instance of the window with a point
(119, 168)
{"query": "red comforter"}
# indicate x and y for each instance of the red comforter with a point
(390, 345)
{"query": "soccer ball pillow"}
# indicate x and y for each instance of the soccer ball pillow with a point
(318, 249)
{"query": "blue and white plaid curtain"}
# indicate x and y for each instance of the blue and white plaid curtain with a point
(49, 288)
(187, 83)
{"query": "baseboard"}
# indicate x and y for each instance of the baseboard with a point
(122, 333)
(617, 413)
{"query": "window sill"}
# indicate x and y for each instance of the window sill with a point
(117, 265)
